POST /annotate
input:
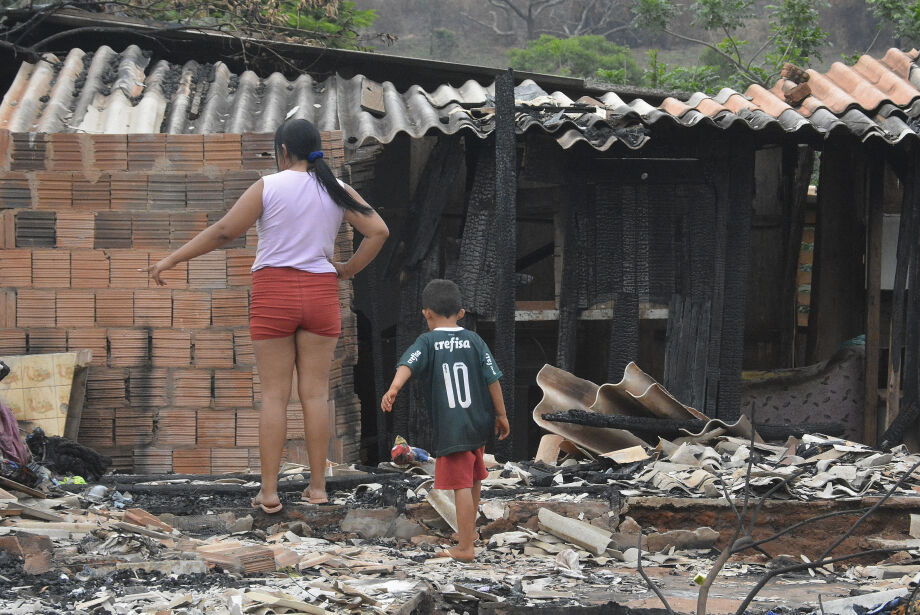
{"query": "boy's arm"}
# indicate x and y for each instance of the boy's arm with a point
(402, 376)
(502, 428)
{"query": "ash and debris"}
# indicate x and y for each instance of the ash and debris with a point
(574, 528)
(372, 549)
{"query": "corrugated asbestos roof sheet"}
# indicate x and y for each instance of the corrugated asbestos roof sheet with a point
(109, 92)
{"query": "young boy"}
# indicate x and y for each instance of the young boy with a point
(459, 378)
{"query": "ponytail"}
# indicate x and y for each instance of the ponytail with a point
(301, 139)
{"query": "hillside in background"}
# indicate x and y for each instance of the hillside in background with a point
(475, 32)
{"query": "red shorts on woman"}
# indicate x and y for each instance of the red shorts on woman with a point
(459, 470)
(285, 299)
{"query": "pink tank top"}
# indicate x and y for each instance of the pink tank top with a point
(298, 225)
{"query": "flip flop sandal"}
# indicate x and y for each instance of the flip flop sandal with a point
(269, 510)
(315, 501)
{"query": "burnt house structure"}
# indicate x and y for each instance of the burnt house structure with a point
(586, 229)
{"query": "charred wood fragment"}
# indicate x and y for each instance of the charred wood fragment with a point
(477, 247)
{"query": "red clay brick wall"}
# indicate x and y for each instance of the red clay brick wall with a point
(173, 386)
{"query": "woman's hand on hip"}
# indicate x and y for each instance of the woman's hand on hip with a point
(342, 270)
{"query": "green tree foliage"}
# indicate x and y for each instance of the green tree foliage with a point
(795, 35)
(330, 23)
(659, 75)
(902, 15)
(334, 23)
(578, 56)
(444, 44)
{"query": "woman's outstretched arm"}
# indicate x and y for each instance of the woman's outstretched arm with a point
(234, 223)
(375, 233)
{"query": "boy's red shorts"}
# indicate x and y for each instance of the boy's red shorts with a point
(459, 470)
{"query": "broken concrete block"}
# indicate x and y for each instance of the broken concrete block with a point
(629, 526)
(915, 526)
(700, 538)
(405, 529)
(36, 553)
(142, 518)
(370, 522)
(243, 524)
(585, 535)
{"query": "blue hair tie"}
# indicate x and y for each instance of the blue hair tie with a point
(312, 156)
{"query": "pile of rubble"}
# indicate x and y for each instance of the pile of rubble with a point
(815, 524)
(551, 535)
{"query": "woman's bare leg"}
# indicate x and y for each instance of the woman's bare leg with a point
(314, 357)
(275, 359)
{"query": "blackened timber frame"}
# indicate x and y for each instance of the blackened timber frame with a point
(506, 220)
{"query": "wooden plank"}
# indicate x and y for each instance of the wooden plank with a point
(874, 208)
(77, 397)
(20, 487)
(25, 510)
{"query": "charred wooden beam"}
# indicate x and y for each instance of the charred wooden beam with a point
(740, 170)
(506, 222)
(874, 218)
(838, 279)
(567, 336)
(798, 162)
(624, 331)
(477, 254)
(905, 319)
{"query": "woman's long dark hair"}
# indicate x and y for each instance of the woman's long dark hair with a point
(301, 138)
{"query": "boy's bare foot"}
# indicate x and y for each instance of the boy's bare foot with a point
(461, 555)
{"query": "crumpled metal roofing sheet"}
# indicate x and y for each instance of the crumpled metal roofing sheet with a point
(109, 92)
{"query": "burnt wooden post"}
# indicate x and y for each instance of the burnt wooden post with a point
(905, 317)
(624, 325)
(567, 340)
(874, 219)
(505, 221)
(718, 177)
(838, 279)
(373, 280)
(798, 163)
(898, 295)
(740, 169)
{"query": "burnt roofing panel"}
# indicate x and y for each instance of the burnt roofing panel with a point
(108, 92)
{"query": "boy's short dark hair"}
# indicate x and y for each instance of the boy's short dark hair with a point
(441, 297)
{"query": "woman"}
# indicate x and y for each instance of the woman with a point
(294, 317)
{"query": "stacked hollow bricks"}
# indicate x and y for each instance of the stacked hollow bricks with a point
(173, 384)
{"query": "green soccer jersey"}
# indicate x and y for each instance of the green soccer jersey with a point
(455, 368)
